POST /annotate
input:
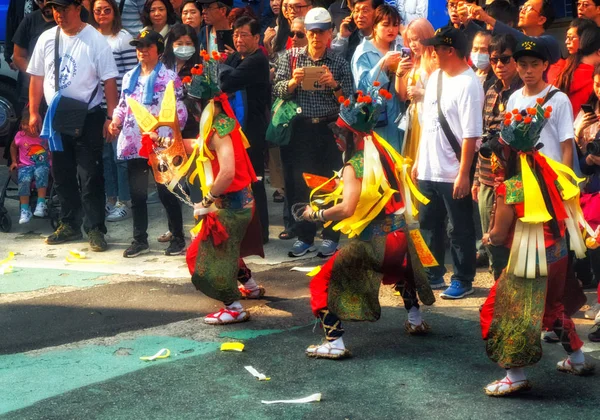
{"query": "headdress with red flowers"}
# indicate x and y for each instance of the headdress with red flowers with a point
(522, 128)
(203, 83)
(361, 111)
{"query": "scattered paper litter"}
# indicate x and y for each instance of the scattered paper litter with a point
(303, 269)
(162, 354)
(256, 374)
(77, 254)
(309, 399)
(232, 347)
(6, 268)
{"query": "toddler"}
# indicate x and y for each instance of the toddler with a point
(30, 157)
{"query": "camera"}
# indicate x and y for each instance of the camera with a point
(593, 147)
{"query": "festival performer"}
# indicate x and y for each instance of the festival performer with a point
(228, 229)
(377, 213)
(535, 206)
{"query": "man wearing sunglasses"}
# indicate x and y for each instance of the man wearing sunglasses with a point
(504, 66)
(215, 14)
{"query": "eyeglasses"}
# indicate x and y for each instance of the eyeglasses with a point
(209, 7)
(584, 5)
(296, 7)
(572, 38)
(526, 8)
(241, 35)
(504, 59)
(105, 11)
(298, 34)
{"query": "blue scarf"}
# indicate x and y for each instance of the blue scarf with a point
(148, 88)
(48, 133)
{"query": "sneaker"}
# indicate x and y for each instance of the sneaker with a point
(64, 233)
(593, 312)
(136, 248)
(41, 209)
(227, 316)
(549, 337)
(119, 212)
(176, 247)
(108, 207)
(25, 216)
(594, 336)
(327, 248)
(456, 291)
(437, 283)
(300, 248)
(97, 241)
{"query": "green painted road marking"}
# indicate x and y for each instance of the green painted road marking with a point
(36, 377)
(29, 279)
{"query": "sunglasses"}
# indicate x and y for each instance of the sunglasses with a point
(299, 34)
(505, 59)
(105, 11)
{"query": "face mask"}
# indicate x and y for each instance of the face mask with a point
(481, 61)
(184, 52)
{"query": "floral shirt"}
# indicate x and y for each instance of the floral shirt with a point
(129, 142)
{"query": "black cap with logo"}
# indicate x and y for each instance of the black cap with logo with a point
(146, 38)
(63, 3)
(228, 3)
(448, 36)
(531, 48)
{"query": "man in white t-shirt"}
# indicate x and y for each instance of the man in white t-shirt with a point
(558, 134)
(85, 60)
(443, 166)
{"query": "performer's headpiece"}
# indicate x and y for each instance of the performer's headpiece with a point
(203, 83)
(360, 112)
(522, 128)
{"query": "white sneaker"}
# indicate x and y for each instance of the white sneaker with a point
(25, 216)
(593, 312)
(41, 210)
(108, 208)
(120, 212)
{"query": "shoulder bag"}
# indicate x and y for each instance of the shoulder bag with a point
(70, 113)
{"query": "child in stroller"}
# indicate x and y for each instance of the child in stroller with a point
(31, 159)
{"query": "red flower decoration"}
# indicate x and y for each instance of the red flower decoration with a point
(506, 122)
(515, 111)
(527, 120)
(508, 116)
(549, 108)
(359, 92)
(546, 114)
(518, 118)
(187, 79)
(376, 83)
(540, 100)
(341, 99)
(347, 103)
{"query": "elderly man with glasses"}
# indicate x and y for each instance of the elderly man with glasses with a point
(589, 9)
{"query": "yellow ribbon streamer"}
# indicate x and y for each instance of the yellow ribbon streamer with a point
(535, 208)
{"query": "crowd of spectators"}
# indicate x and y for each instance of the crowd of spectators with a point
(450, 90)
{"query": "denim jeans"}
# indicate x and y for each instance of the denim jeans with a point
(460, 229)
(115, 173)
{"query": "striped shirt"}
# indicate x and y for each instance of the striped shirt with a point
(131, 15)
(124, 54)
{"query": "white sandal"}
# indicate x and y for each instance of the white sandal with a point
(505, 387)
(579, 369)
(327, 351)
(227, 316)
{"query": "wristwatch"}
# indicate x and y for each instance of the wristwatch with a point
(337, 87)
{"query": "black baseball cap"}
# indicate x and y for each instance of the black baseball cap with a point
(146, 38)
(64, 3)
(228, 3)
(531, 48)
(448, 36)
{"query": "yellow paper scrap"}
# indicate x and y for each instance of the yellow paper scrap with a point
(232, 347)
(77, 254)
(11, 255)
(162, 354)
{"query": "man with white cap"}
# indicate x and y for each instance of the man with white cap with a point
(312, 148)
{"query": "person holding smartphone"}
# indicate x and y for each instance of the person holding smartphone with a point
(215, 14)
(355, 27)
(375, 61)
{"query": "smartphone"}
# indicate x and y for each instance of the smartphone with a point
(224, 37)
(405, 52)
(352, 26)
(587, 108)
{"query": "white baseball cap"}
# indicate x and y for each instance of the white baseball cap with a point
(317, 18)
